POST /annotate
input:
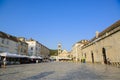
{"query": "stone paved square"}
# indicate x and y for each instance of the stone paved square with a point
(60, 71)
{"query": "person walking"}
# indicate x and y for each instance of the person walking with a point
(4, 62)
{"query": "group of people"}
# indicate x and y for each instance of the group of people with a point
(3, 62)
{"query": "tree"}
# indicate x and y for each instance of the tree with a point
(53, 52)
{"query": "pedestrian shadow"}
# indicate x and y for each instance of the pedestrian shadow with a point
(39, 76)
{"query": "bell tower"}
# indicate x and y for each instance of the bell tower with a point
(59, 48)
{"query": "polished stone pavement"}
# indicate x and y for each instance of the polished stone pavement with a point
(60, 71)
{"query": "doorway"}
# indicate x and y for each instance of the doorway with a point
(92, 55)
(104, 55)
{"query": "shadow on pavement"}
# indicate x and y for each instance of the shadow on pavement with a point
(9, 73)
(39, 76)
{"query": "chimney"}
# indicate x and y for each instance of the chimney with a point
(97, 34)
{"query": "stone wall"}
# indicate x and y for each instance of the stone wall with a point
(104, 48)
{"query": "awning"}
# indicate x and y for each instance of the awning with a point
(36, 57)
(64, 58)
(7, 54)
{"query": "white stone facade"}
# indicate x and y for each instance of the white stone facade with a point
(8, 43)
(37, 49)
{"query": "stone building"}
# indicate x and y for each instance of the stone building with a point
(76, 50)
(37, 49)
(104, 47)
(33, 47)
(8, 43)
(64, 55)
(12, 44)
(22, 47)
(45, 52)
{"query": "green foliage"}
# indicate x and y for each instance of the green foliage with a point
(53, 52)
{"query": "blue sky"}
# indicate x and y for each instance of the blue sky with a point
(54, 21)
